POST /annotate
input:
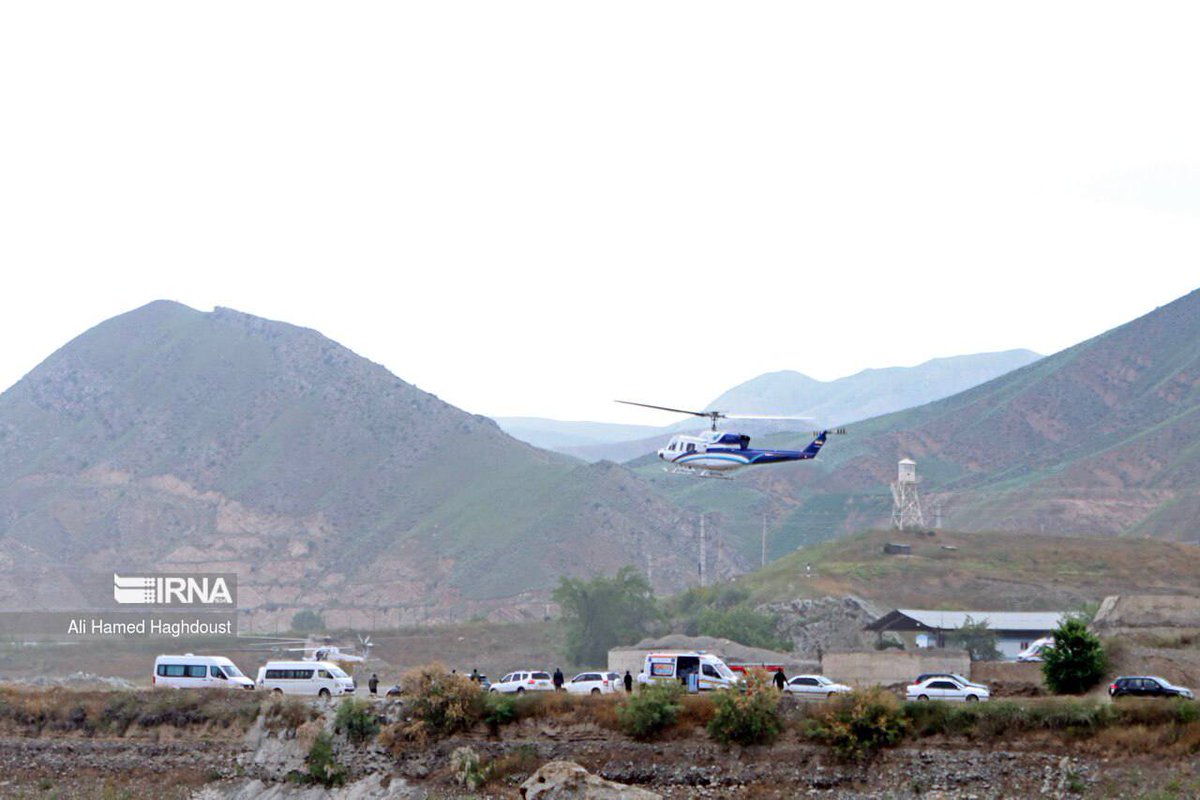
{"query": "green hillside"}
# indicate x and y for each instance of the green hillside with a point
(168, 437)
(1103, 437)
(954, 570)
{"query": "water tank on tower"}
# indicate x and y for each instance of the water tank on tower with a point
(906, 503)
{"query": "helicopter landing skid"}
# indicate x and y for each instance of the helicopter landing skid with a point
(697, 473)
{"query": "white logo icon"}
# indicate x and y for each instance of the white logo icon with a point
(170, 590)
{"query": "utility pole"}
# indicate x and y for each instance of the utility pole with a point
(764, 541)
(703, 556)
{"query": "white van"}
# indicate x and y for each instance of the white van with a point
(322, 678)
(1037, 650)
(198, 672)
(711, 672)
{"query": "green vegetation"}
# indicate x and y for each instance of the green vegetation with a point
(976, 638)
(988, 570)
(307, 621)
(1077, 660)
(748, 716)
(859, 724)
(323, 767)
(604, 612)
(723, 611)
(652, 710)
(356, 719)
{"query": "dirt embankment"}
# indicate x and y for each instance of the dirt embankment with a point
(177, 745)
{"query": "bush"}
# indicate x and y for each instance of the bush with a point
(499, 710)
(439, 704)
(859, 724)
(286, 714)
(323, 767)
(650, 711)
(307, 621)
(748, 714)
(355, 719)
(1076, 662)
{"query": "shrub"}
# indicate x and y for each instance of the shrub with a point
(747, 715)
(355, 719)
(307, 621)
(286, 714)
(1076, 662)
(323, 767)
(440, 704)
(650, 711)
(857, 725)
(499, 710)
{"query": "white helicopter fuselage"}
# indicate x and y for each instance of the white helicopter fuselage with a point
(719, 452)
(707, 452)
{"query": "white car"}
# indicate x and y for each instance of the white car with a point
(947, 689)
(595, 683)
(815, 687)
(1036, 651)
(521, 682)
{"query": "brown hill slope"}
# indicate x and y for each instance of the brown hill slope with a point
(1102, 437)
(171, 438)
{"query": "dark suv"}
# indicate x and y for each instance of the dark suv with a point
(1146, 686)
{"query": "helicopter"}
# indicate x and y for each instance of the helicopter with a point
(713, 454)
(323, 650)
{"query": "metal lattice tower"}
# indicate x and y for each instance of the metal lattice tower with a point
(906, 502)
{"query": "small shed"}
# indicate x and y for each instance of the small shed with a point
(897, 549)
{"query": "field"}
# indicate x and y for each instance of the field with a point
(1002, 571)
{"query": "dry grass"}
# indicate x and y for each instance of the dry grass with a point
(62, 711)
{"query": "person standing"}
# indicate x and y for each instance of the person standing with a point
(373, 684)
(558, 680)
(628, 683)
(780, 679)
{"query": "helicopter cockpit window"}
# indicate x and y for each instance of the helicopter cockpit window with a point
(691, 448)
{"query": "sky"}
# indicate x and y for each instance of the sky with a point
(534, 208)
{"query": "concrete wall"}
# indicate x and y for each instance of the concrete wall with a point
(626, 658)
(887, 667)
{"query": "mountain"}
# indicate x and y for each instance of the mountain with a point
(1101, 438)
(172, 439)
(869, 393)
(865, 394)
(560, 435)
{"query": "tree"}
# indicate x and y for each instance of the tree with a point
(307, 621)
(604, 612)
(977, 639)
(741, 624)
(1076, 662)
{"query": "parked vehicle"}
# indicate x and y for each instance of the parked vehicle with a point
(942, 688)
(710, 671)
(320, 678)
(1147, 686)
(954, 676)
(190, 671)
(815, 687)
(595, 683)
(521, 682)
(1036, 650)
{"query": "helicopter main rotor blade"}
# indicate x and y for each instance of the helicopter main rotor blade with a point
(676, 410)
(767, 416)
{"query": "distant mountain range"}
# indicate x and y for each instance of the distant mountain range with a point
(171, 439)
(1101, 438)
(839, 402)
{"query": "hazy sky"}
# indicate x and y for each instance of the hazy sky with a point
(534, 208)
